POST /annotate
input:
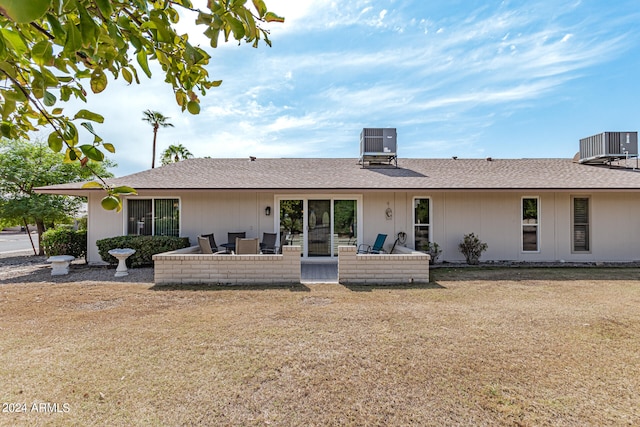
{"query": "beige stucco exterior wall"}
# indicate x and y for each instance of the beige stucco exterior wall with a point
(222, 213)
(100, 224)
(493, 216)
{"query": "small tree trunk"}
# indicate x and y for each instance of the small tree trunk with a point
(26, 227)
(40, 226)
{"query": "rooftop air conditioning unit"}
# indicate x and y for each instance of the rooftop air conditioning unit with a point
(608, 146)
(378, 146)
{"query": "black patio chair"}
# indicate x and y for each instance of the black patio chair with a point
(268, 244)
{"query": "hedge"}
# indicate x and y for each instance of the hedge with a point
(145, 246)
(65, 241)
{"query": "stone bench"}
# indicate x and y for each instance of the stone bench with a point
(60, 264)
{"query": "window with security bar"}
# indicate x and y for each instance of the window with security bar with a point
(153, 217)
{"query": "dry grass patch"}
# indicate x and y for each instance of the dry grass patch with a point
(477, 346)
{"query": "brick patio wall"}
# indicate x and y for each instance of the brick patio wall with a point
(189, 266)
(403, 266)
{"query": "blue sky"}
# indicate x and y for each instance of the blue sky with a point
(506, 79)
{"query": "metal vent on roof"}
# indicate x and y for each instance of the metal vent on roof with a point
(606, 147)
(378, 146)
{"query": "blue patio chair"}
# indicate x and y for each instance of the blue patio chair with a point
(376, 248)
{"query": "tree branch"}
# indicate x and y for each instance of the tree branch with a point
(45, 114)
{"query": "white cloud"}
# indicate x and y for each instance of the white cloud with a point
(566, 37)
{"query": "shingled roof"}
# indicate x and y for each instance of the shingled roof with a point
(308, 174)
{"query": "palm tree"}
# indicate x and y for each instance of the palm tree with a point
(175, 153)
(156, 120)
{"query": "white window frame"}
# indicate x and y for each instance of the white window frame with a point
(573, 224)
(125, 217)
(305, 203)
(523, 224)
(415, 224)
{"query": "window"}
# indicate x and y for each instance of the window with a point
(581, 224)
(153, 217)
(421, 223)
(530, 225)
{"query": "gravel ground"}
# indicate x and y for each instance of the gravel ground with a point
(27, 268)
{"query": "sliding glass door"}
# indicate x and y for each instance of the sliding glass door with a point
(319, 228)
(319, 225)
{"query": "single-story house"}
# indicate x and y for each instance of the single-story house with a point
(533, 210)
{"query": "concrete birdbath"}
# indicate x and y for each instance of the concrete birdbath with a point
(122, 255)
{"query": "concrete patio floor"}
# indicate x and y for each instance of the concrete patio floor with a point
(319, 271)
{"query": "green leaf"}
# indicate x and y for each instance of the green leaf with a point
(56, 27)
(127, 75)
(181, 98)
(124, 190)
(236, 27)
(88, 28)
(57, 111)
(6, 129)
(91, 184)
(73, 42)
(42, 52)
(192, 55)
(92, 152)
(89, 115)
(55, 142)
(8, 108)
(88, 127)
(272, 17)
(49, 99)
(72, 155)
(98, 80)
(141, 56)
(109, 147)
(105, 8)
(111, 203)
(24, 11)
(3, 48)
(14, 39)
(193, 107)
(50, 80)
(70, 134)
(260, 7)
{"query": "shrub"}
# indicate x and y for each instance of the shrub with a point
(63, 240)
(471, 247)
(145, 246)
(433, 249)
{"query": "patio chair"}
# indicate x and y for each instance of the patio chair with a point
(230, 246)
(205, 246)
(376, 248)
(212, 242)
(268, 244)
(247, 246)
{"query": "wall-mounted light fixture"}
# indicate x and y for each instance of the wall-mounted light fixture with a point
(388, 213)
(267, 210)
